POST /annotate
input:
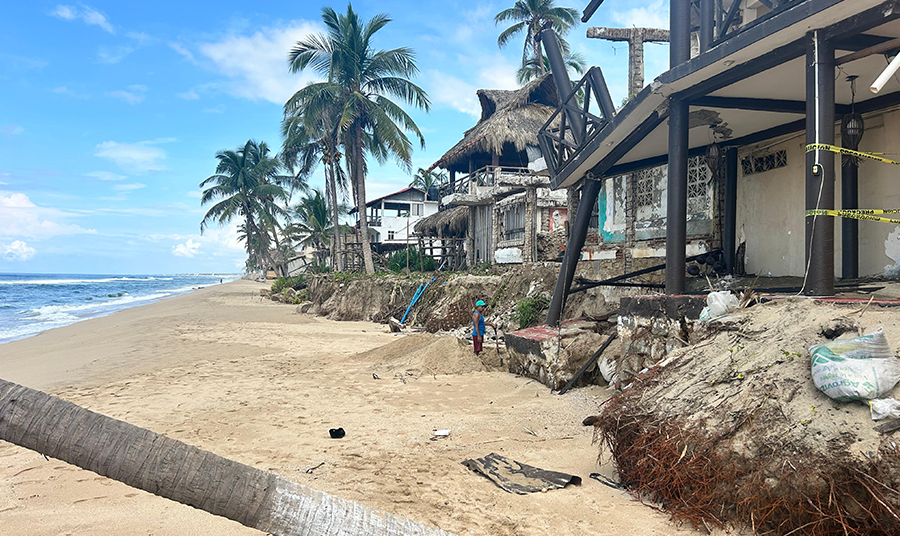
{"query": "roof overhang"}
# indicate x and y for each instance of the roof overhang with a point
(753, 85)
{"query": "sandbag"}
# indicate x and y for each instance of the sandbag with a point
(863, 368)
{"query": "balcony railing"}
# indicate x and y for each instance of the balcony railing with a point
(486, 176)
(727, 23)
(561, 137)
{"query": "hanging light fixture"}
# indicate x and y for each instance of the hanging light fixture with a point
(852, 125)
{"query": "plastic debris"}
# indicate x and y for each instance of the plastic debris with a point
(719, 304)
(883, 408)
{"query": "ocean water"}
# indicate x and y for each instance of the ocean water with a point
(31, 303)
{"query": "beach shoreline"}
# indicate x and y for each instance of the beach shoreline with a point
(254, 381)
(34, 303)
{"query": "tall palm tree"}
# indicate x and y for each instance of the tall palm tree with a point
(169, 468)
(530, 16)
(360, 81)
(424, 180)
(247, 184)
(310, 139)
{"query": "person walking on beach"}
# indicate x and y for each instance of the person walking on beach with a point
(478, 324)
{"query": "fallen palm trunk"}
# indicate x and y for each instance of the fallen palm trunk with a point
(177, 471)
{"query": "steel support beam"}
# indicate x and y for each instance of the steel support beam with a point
(707, 24)
(577, 233)
(676, 204)
(679, 32)
(563, 83)
(849, 226)
(729, 227)
(819, 280)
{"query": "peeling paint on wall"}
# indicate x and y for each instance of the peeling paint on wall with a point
(892, 250)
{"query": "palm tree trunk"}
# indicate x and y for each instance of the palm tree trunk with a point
(262, 241)
(177, 471)
(335, 261)
(539, 56)
(360, 180)
(280, 267)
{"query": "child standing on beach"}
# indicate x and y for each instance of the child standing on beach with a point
(478, 324)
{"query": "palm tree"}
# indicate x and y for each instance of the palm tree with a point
(312, 138)
(310, 225)
(424, 180)
(530, 17)
(359, 82)
(533, 69)
(177, 471)
(247, 184)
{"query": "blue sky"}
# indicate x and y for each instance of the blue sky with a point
(111, 113)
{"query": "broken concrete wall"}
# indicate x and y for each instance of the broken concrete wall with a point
(652, 326)
(553, 356)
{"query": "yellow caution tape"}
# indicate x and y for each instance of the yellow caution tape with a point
(840, 150)
(857, 214)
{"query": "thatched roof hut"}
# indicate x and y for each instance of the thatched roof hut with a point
(446, 223)
(509, 123)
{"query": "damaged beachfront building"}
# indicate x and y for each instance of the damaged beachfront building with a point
(498, 206)
(735, 149)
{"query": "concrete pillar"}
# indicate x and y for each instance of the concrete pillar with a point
(630, 218)
(635, 37)
(495, 230)
(530, 225)
(819, 165)
(470, 240)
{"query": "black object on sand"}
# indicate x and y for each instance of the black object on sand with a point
(337, 433)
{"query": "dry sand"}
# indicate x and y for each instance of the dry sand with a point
(257, 383)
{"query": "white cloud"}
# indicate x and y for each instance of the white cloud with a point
(217, 242)
(195, 194)
(257, 64)
(188, 249)
(105, 176)
(183, 51)
(17, 251)
(63, 90)
(11, 130)
(112, 55)
(655, 14)
(129, 187)
(486, 71)
(136, 157)
(20, 217)
(141, 37)
(135, 95)
(453, 93)
(220, 109)
(188, 95)
(23, 62)
(88, 15)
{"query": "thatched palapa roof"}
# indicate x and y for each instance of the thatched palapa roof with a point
(451, 222)
(510, 119)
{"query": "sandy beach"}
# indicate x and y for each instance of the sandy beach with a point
(253, 381)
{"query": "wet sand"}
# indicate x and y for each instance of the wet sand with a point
(253, 381)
